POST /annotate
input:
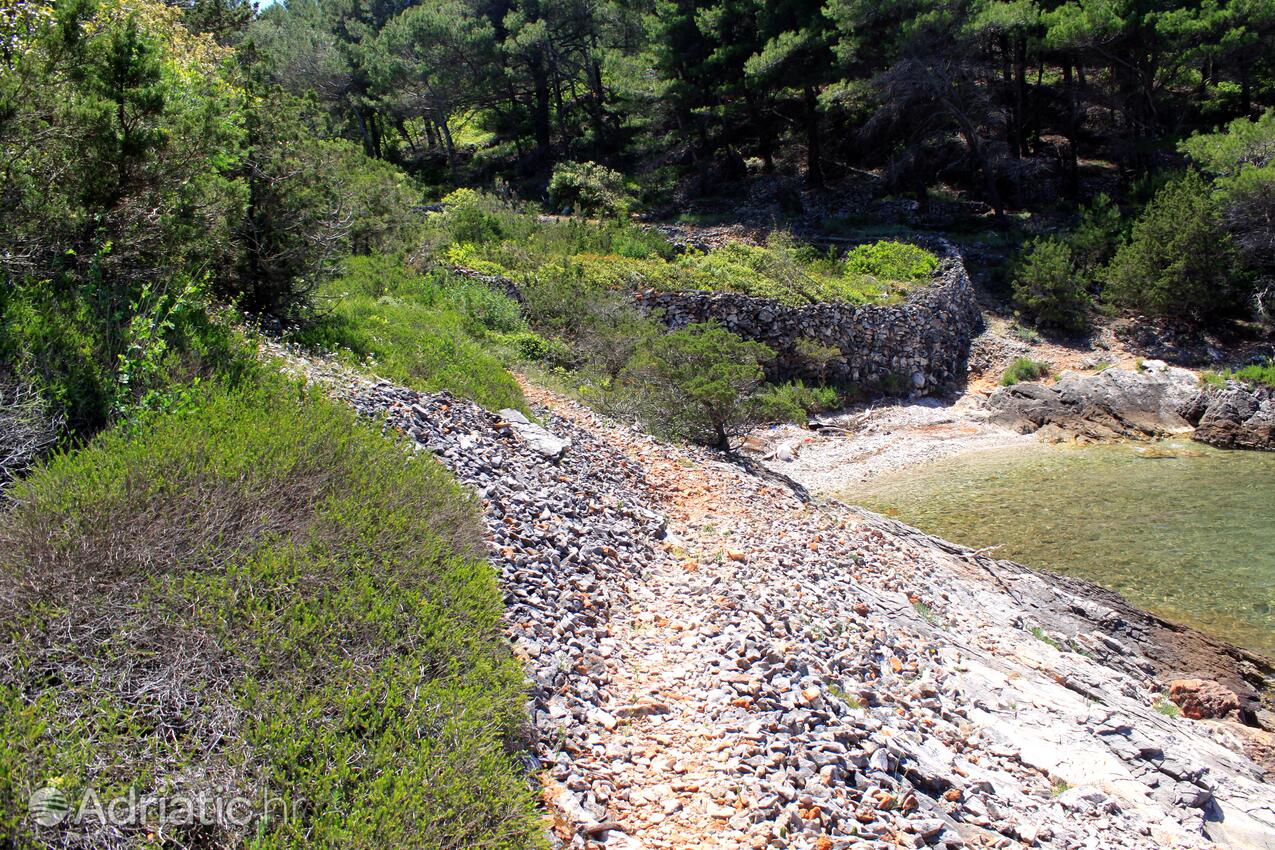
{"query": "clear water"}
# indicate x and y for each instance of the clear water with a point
(1178, 528)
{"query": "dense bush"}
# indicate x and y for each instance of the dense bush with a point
(794, 402)
(1179, 261)
(1024, 369)
(257, 597)
(888, 260)
(586, 187)
(1048, 287)
(311, 204)
(702, 383)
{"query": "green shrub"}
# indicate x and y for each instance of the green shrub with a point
(474, 217)
(702, 383)
(261, 597)
(794, 402)
(1024, 369)
(530, 345)
(889, 260)
(93, 372)
(426, 333)
(1047, 286)
(1260, 374)
(586, 187)
(1179, 261)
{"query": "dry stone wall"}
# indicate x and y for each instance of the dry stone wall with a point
(919, 346)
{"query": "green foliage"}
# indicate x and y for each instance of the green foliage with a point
(1167, 708)
(92, 374)
(1179, 261)
(1258, 374)
(794, 402)
(1096, 237)
(586, 187)
(426, 332)
(1024, 369)
(312, 202)
(473, 217)
(702, 383)
(1047, 285)
(1044, 637)
(315, 601)
(895, 261)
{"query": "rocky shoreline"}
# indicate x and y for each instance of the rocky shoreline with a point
(714, 663)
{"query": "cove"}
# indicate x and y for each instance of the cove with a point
(1178, 528)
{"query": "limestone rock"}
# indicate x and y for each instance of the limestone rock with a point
(540, 440)
(1237, 417)
(1114, 403)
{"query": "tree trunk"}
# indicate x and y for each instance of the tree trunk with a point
(814, 166)
(1072, 181)
(540, 107)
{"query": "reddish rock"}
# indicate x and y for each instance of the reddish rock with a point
(1203, 698)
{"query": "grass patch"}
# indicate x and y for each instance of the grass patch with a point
(1042, 636)
(259, 594)
(435, 332)
(1167, 708)
(483, 233)
(1256, 374)
(1058, 787)
(927, 613)
(1024, 369)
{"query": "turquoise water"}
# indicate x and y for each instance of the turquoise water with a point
(1178, 528)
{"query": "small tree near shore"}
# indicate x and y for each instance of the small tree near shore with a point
(702, 383)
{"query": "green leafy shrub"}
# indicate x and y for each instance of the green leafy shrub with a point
(530, 345)
(1260, 374)
(794, 402)
(1024, 369)
(586, 187)
(702, 383)
(424, 332)
(1179, 261)
(890, 260)
(259, 596)
(92, 373)
(473, 217)
(1047, 286)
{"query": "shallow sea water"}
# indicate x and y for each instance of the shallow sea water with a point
(1178, 528)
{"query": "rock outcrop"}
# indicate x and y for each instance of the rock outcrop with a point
(1113, 404)
(1236, 417)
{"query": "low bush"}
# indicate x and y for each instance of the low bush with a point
(794, 402)
(92, 371)
(1258, 374)
(702, 383)
(589, 188)
(261, 597)
(1024, 369)
(427, 332)
(889, 260)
